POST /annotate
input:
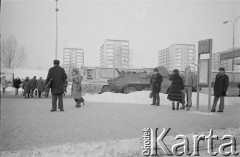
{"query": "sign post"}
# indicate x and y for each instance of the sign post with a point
(204, 75)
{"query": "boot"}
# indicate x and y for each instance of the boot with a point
(183, 107)
(173, 106)
(177, 105)
(78, 105)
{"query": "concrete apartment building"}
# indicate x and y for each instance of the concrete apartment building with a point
(72, 58)
(114, 53)
(177, 56)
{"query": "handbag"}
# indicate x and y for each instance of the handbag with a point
(150, 95)
(49, 84)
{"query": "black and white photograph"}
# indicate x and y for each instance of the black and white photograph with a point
(119, 78)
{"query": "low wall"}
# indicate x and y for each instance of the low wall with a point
(232, 91)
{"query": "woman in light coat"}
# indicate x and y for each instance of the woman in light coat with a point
(76, 87)
(4, 84)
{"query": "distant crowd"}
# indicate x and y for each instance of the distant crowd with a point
(31, 87)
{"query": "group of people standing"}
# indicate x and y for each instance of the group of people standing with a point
(183, 85)
(176, 92)
(34, 86)
(30, 87)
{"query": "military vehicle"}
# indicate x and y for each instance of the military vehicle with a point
(130, 81)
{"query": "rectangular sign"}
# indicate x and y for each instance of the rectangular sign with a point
(204, 46)
(203, 71)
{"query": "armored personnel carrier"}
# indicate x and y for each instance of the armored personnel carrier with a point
(130, 81)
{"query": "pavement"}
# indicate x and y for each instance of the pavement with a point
(29, 124)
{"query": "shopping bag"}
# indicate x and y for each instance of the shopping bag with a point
(150, 95)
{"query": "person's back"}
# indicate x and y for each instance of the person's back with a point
(57, 76)
(17, 83)
(26, 84)
(58, 79)
(26, 87)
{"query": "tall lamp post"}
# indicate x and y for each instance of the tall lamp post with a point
(233, 22)
(56, 48)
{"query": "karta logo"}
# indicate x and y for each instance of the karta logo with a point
(151, 143)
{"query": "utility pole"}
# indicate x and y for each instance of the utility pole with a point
(56, 48)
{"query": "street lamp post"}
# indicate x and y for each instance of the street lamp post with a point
(56, 46)
(233, 22)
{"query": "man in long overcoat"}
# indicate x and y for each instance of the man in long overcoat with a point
(155, 84)
(58, 76)
(220, 89)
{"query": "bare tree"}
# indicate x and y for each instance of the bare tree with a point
(12, 55)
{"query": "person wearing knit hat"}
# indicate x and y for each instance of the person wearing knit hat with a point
(76, 87)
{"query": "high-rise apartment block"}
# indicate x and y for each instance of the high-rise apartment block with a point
(177, 56)
(114, 53)
(72, 58)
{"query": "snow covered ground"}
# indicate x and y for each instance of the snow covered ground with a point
(106, 126)
(139, 97)
(142, 97)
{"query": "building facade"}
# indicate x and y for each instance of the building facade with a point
(177, 56)
(114, 53)
(227, 64)
(72, 58)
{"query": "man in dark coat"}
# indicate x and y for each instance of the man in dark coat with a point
(16, 83)
(155, 84)
(33, 85)
(220, 89)
(58, 76)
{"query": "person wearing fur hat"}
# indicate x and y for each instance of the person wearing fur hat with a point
(76, 87)
(220, 89)
(176, 88)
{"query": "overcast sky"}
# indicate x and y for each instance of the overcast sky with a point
(149, 25)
